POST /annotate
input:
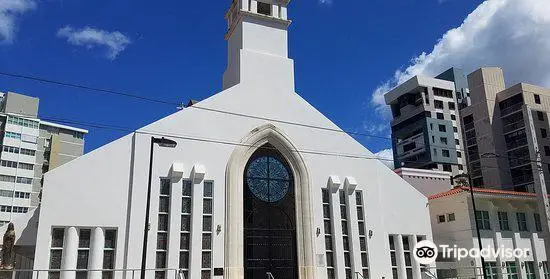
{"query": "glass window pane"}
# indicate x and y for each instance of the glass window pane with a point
(82, 259)
(184, 260)
(326, 211)
(184, 241)
(207, 206)
(163, 222)
(186, 223)
(206, 241)
(328, 243)
(108, 259)
(207, 223)
(165, 187)
(208, 188)
(162, 241)
(55, 259)
(57, 237)
(161, 260)
(206, 260)
(164, 204)
(186, 205)
(187, 187)
(84, 239)
(205, 274)
(110, 239)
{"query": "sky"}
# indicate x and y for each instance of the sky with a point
(347, 54)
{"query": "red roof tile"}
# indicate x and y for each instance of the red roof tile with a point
(460, 189)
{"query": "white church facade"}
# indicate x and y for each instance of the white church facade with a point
(259, 185)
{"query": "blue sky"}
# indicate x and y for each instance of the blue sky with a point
(345, 50)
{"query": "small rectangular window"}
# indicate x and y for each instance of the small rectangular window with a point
(441, 218)
(537, 99)
(453, 117)
(451, 217)
(547, 150)
(446, 153)
(440, 116)
(443, 140)
(452, 106)
(264, 8)
(459, 154)
(538, 223)
(442, 128)
(543, 133)
(522, 222)
(447, 168)
(540, 115)
(438, 104)
(455, 129)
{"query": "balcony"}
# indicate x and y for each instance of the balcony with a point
(513, 127)
(511, 109)
(522, 179)
(469, 126)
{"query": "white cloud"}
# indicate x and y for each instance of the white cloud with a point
(10, 10)
(511, 34)
(115, 42)
(386, 157)
(325, 2)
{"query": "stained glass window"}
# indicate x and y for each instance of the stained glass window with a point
(268, 179)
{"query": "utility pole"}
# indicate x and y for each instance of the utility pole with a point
(538, 180)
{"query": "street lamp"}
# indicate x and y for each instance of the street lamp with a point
(162, 142)
(470, 184)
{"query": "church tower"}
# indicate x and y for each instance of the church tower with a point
(258, 45)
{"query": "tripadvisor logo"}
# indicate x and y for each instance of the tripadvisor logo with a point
(426, 252)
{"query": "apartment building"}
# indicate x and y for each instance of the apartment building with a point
(505, 130)
(425, 125)
(30, 147)
(506, 219)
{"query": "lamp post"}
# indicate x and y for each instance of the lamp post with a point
(162, 142)
(467, 175)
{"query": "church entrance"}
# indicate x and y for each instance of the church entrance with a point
(269, 217)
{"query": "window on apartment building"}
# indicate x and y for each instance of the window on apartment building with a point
(435, 152)
(440, 116)
(482, 219)
(538, 223)
(438, 104)
(503, 221)
(442, 92)
(491, 269)
(457, 142)
(447, 168)
(455, 129)
(442, 128)
(451, 217)
(445, 153)
(441, 219)
(428, 114)
(460, 167)
(433, 139)
(459, 154)
(547, 150)
(443, 140)
(543, 133)
(453, 117)
(530, 270)
(540, 115)
(537, 99)
(427, 99)
(452, 106)
(511, 270)
(522, 222)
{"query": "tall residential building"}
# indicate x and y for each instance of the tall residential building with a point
(30, 147)
(425, 125)
(505, 128)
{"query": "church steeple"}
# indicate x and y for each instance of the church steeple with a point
(255, 27)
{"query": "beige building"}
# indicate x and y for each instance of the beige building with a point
(30, 147)
(504, 129)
